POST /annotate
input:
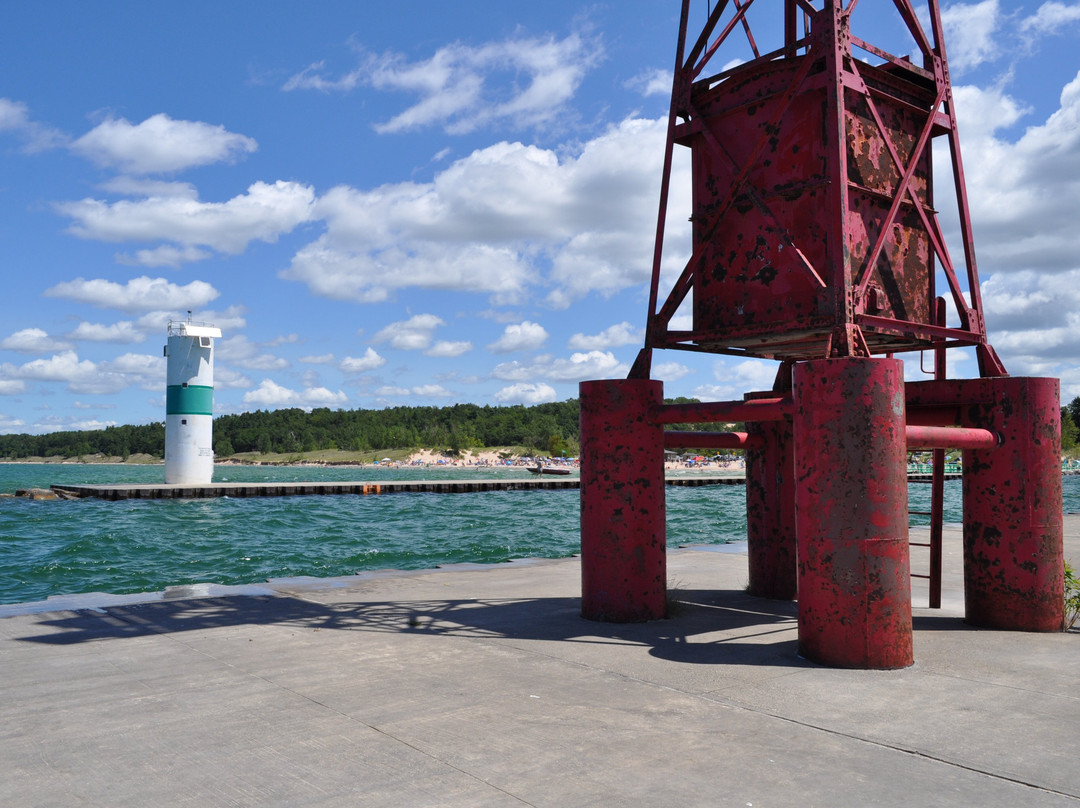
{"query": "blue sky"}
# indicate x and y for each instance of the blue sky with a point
(429, 203)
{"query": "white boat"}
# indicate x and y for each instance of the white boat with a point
(542, 469)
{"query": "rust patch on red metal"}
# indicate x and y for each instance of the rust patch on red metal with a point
(851, 513)
(770, 512)
(623, 530)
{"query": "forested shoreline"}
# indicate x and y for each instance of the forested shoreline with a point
(543, 429)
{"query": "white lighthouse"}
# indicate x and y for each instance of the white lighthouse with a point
(189, 403)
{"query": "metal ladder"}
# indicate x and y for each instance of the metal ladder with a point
(936, 514)
(937, 484)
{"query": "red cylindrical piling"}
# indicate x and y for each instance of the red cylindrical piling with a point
(1013, 523)
(851, 513)
(623, 530)
(770, 512)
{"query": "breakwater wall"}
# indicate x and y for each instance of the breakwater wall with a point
(328, 488)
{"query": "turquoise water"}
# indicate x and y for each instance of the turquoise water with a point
(60, 548)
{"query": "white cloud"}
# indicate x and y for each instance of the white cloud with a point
(264, 213)
(1023, 194)
(241, 351)
(528, 394)
(613, 337)
(229, 320)
(122, 332)
(33, 340)
(10, 425)
(145, 187)
(166, 255)
(389, 391)
(523, 336)
(15, 118)
(614, 186)
(737, 378)
(969, 33)
(85, 377)
(1033, 320)
(431, 391)
(362, 364)
(229, 379)
(1051, 18)
(580, 366)
(13, 115)
(160, 144)
(448, 350)
(138, 294)
(521, 82)
(272, 395)
(413, 334)
(372, 247)
(655, 81)
(56, 422)
(12, 387)
(321, 359)
(142, 369)
(64, 366)
(284, 339)
(670, 371)
(501, 220)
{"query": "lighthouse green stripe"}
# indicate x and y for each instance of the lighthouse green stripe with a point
(195, 399)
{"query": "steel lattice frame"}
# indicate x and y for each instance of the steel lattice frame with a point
(838, 190)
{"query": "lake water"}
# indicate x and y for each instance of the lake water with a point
(62, 548)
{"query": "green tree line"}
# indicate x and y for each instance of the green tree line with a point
(544, 428)
(114, 441)
(1070, 425)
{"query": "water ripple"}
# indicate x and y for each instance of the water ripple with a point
(54, 548)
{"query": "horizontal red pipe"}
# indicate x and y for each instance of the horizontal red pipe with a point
(712, 440)
(759, 409)
(951, 437)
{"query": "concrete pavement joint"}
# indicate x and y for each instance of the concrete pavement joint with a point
(807, 725)
(896, 748)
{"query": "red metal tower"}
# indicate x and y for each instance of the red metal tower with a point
(816, 242)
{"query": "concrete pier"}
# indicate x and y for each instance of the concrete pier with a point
(483, 686)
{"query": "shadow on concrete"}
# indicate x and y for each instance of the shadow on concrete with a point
(925, 622)
(705, 627)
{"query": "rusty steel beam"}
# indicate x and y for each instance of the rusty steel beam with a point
(724, 412)
(674, 439)
(851, 512)
(815, 229)
(623, 530)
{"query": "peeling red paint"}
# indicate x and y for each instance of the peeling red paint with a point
(770, 511)
(1013, 516)
(851, 513)
(623, 529)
